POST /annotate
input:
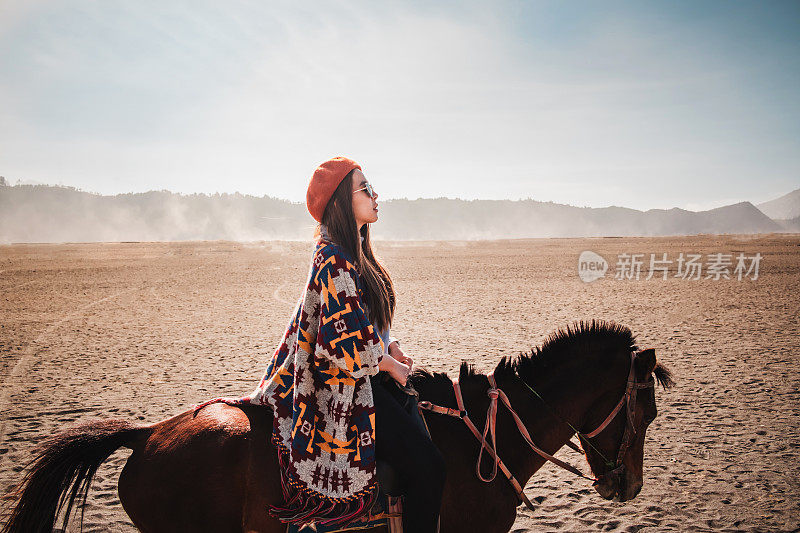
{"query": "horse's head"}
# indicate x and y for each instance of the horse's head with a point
(616, 453)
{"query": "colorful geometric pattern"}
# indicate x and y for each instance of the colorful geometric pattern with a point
(317, 385)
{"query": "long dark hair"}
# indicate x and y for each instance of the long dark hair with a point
(342, 229)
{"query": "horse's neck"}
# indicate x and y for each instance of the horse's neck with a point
(549, 433)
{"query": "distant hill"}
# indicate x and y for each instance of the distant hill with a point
(791, 224)
(44, 213)
(783, 208)
(443, 218)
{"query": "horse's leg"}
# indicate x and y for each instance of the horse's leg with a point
(191, 473)
(468, 504)
(471, 506)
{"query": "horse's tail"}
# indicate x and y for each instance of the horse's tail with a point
(62, 471)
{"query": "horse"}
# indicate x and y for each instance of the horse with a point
(214, 472)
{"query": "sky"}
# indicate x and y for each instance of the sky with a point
(689, 104)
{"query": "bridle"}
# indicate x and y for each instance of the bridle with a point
(628, 400)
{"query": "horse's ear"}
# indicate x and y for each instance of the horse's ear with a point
(645, 362)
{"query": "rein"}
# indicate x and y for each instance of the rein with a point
(628, 399)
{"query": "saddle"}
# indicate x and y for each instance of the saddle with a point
(387, 513)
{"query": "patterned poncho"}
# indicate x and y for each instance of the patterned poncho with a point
(317, 385)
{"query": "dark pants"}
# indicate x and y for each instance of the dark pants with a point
(402, 443)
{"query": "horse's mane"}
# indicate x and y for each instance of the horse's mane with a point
(557, 348)
(560, 347)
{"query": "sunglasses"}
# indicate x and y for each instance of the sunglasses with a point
(368, 188)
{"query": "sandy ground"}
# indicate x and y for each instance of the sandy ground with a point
(144, 330)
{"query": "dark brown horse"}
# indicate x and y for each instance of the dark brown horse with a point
(214, 473)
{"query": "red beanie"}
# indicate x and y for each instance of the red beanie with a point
(323, 184)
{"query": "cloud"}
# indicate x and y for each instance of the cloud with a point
(595, 106)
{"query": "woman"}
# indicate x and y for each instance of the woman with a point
(332, 416)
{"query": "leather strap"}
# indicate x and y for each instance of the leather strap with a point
(499, 464)
(525, 435)
(438, 409)
(620, 403)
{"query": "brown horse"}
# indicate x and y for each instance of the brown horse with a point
(213, 472)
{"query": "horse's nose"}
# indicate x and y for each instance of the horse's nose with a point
(632, 488)
(605, 487)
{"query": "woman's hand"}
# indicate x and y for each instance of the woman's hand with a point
(399, 371)
(406, 360)
(396, 352)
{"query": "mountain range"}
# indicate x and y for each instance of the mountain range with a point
(47, 213)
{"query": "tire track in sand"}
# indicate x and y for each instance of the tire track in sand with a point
(11, 382)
